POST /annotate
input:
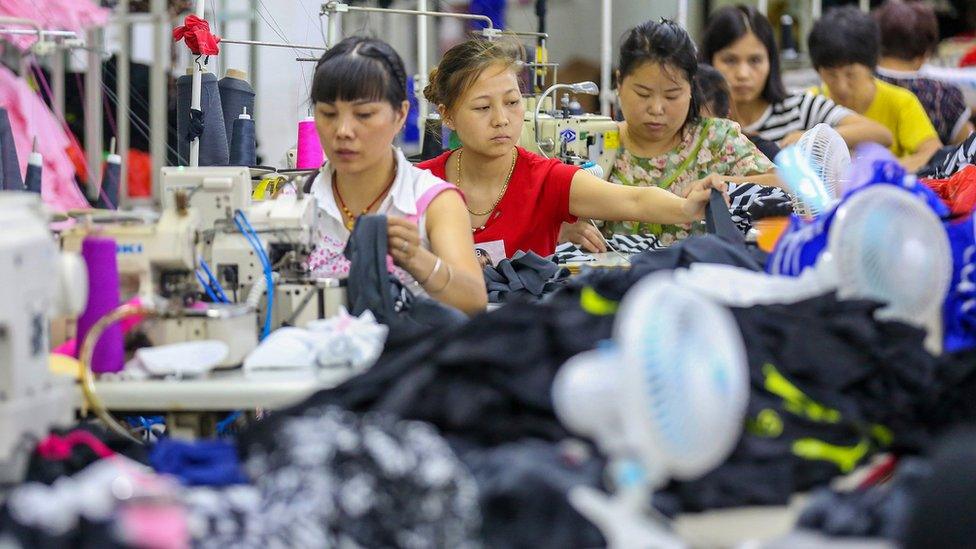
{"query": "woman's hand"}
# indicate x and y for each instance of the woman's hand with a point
(583, 234)
(700, 192)
(403, 239)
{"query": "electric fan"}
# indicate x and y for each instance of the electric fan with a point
(666, 400)
(815, 169)
(880, 243)
(829, 157)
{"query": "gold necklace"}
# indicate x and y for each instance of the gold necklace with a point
(501, 194)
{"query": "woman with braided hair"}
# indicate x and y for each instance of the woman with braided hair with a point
(360, 97)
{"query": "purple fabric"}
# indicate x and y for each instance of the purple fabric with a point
(103, 296)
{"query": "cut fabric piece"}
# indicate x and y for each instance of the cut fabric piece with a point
(751, 202)
(30, 118)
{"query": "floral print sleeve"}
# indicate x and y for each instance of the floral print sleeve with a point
(734, 154)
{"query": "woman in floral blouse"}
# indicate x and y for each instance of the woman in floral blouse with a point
(664, 141)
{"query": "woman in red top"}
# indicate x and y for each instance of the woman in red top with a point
(518, 200)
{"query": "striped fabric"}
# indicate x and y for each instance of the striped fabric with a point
(798, 112)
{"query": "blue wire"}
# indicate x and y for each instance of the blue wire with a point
(252, 237)
(223, 424)
(206, 287)
(213, 280)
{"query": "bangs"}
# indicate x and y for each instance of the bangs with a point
(354, 78)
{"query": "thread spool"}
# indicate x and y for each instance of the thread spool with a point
(10, 179)
(310, 154)
(99, 254)
(242, 146)
(214, 150)
(34, 167)
(236, 94)
(108, 198)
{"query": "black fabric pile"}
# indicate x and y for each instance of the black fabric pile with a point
(831, 387)
(485, 386)
(524, 277)
(928, 501)
(881, 510)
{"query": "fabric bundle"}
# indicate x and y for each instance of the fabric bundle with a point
(29, 118)
(525, 276)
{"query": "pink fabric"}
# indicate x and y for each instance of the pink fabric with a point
(30, 117)
(155, 526)
(73, 15)
(59, 448)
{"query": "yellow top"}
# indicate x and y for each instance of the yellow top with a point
(901, 112)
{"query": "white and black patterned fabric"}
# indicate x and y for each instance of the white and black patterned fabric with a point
(958, 158)
(750, 202)
(333, 478)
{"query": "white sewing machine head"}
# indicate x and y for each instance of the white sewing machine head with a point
(153, 258)
(36, 283)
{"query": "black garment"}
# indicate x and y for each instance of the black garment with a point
(526, 276)
(614, 283)
(765, 146)
(878, 511)
(830, 387)
(523, 488)
(371, 287)
(945, 502)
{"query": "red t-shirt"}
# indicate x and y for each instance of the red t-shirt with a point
(534, 207)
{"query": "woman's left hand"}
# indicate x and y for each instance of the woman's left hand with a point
(700, 192)
(403, 238)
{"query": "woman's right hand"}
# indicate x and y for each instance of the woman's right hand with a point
(583, 234)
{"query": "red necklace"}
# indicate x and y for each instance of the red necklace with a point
(350, 218)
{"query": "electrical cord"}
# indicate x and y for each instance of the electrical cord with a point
(244, 226)
(85, 358)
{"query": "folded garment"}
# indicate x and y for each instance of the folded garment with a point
(525, 275)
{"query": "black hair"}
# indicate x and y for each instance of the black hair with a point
(714, 91)
(665, 43)
(731, 23)
(908, 30)
(844, 36)
(360, 68)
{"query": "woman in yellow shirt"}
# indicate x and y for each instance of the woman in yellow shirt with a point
(844, 49)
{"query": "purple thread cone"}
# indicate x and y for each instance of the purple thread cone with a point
(103, 296)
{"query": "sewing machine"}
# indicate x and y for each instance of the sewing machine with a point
(285, 230)
(153, 258)
(37, 283)
(158, 260)
(577, 139)
(574, 139)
